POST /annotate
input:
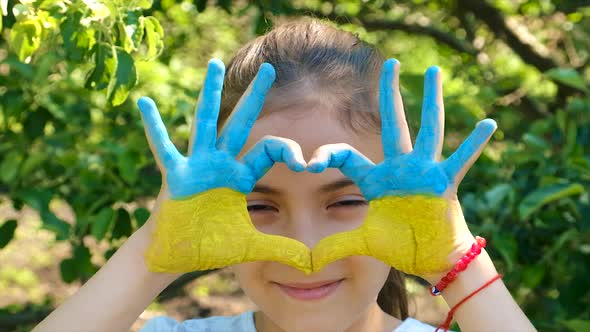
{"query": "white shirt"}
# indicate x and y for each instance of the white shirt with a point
(243, 323)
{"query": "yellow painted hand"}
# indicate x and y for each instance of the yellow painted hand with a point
(213, 230)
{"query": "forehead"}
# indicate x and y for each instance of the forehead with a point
(312, 127)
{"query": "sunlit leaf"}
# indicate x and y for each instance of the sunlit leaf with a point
(154, 35)
(25, 38)
(131, 31)
(124, 80)
(78, 40)
(105, 65)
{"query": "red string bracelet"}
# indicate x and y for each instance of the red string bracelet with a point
(460, 266)
(447, 323)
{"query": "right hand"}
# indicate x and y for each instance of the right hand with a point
(211, 162)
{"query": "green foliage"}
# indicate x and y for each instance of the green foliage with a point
(69, 130)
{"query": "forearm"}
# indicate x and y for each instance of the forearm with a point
(491, 309)
(116, 295)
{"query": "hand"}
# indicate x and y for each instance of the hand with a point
(212, 161)
(206, 224)
(407, 172)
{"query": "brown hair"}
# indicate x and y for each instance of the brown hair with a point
(309, 55)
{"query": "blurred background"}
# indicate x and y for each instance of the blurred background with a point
(77, 177)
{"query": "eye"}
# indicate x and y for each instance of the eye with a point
(349, 203)
(261, 208)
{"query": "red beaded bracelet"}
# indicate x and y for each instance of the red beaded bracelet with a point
(461, 265)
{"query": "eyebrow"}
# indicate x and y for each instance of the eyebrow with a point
(328, 187)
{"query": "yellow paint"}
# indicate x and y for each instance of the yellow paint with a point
(213, 229)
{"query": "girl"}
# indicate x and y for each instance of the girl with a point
(339, 138)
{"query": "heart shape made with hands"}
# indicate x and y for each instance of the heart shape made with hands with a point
(409, 225)
(213, 230)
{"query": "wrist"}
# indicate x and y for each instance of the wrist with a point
(479, 271)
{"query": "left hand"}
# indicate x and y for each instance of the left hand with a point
(406, 170)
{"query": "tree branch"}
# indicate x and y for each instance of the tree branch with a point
(494, 19)
(441, 36)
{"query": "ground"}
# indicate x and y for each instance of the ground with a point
(29, 273)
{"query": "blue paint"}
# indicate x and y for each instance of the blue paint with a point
(212, 162)
(415, 172)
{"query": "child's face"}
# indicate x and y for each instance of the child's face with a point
(297, 207)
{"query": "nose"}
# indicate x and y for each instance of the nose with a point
(304, 226)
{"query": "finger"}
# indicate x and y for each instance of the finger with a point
(204, 132)
(351, 163)
(236, 130)
(162, 148)
(271, 149)
(457, 165)
(430, 137)
(395, 135)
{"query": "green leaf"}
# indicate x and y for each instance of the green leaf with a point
(34, 123)
(127, 161)
(109, 253)
(535, 200)
(10, 166)
(68, 270)
(37, 199)
(567, 76)
(102, 222)
(141, 215)
(508, 248)
(7, 232)
(200, 5)
(142, 4)
(532, 275)
(495, 195)
(25, 38)
(577, 325)
(263, 24)
(131, 31)
(78, 266)
(154, 35)
(53, 223)
(124, 80)
(78, 40)
(32, 163)
(123, 226)
(225, 5)
(105, 64)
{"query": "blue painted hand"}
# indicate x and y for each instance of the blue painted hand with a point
(211, 162)
(404, 170)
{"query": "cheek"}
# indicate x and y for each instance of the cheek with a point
(250, 279)
(368, 275)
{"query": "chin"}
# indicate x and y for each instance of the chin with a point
(320, 321)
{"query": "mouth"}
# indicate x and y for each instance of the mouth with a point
(310, 291)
